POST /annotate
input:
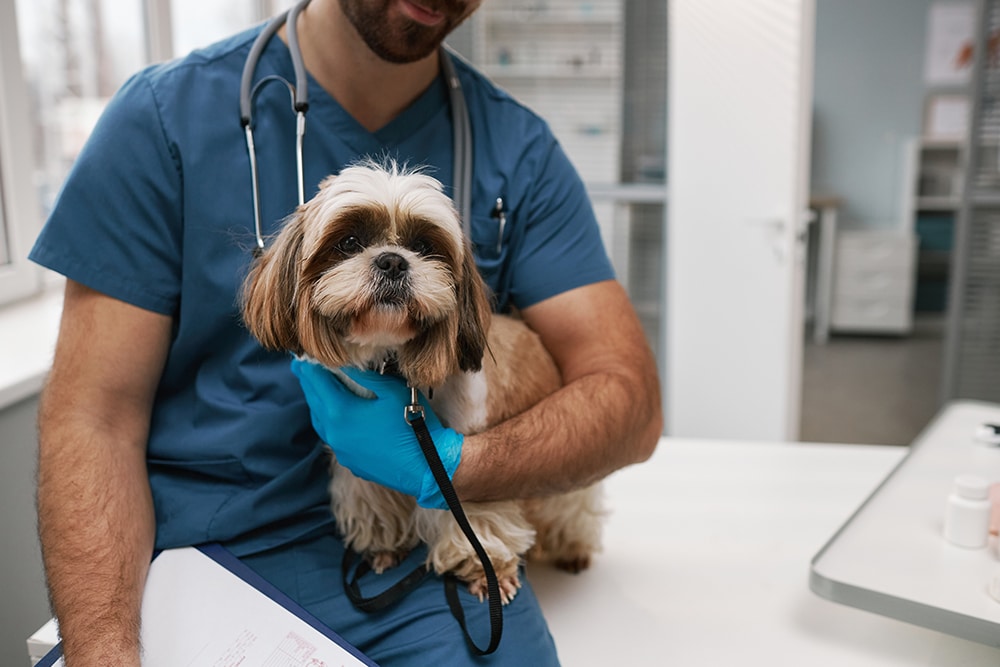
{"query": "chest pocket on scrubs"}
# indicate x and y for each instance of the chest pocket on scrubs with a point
(491, 245)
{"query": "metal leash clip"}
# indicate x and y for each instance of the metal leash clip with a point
(414, 410)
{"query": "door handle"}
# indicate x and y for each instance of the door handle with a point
(775, 229)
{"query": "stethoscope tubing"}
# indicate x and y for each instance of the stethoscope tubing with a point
(299, 93)
(300, 104)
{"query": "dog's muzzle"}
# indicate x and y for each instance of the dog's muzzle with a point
(393, 272)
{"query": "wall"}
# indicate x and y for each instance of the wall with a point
(868, 100)
(23, 603)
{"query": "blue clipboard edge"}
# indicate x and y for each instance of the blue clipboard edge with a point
(51, 657)
(226, 559)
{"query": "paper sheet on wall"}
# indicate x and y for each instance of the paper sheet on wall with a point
(950, 38)
(196, 612)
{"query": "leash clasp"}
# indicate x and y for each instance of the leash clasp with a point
(414, 410)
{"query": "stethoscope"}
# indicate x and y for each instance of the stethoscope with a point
(461, 127)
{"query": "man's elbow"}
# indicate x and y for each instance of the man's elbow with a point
(647, 419)
(649, 436)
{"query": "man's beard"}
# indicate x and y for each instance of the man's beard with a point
(398, 39)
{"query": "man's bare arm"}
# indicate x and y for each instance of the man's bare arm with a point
(608, 414)
(96, 521)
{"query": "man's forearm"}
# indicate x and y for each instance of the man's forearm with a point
(95, 508)
(606, 416)
(97, 529)
(588, 429)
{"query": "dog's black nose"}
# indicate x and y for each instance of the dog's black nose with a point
(391, 264)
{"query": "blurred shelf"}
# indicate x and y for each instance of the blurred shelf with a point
(527, 15)
(568, 71)
(943, 203)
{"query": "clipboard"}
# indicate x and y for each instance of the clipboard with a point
(203, 607)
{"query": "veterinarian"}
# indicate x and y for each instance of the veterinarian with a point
(164, 424)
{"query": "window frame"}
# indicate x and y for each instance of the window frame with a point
(21, 219)
(20, 211)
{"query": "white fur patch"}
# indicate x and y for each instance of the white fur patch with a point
(462, 402)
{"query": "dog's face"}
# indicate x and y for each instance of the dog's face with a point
(375, 266)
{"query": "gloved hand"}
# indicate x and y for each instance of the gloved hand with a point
(371, 437)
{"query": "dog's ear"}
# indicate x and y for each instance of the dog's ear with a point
(270, 290)
(454, 341)
(474, 313)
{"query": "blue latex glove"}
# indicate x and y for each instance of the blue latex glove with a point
(371, 437)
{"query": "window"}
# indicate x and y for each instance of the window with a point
(197, 22)
(63, 60)
(75, 54)
(5, 257)
(18, 214)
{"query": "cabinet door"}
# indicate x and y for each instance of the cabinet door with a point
(740, 89)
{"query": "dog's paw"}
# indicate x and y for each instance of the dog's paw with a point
(568, 558)
(573, 564)
(509, 585)
(385, 560)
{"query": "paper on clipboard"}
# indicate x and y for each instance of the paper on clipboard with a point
(204, 608)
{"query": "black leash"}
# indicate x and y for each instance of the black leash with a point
(386, 598)
(414, 415)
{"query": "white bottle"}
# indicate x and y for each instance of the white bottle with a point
(967, 516)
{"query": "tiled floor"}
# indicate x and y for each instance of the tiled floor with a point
(872, 390)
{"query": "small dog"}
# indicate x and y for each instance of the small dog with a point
(375, 269)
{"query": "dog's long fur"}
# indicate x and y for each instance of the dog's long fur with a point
(376, 268)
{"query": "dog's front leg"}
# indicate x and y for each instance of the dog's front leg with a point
(503, 531)
(375, 521)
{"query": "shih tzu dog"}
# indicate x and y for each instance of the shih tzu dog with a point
(376, 268)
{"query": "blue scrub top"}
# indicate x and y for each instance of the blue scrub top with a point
(157, 212)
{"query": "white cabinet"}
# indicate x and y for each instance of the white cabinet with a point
(873, 282)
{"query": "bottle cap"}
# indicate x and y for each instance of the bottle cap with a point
(972, 487)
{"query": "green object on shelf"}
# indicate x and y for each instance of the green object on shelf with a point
(936, 231)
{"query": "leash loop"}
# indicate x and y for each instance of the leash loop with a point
(414, 416)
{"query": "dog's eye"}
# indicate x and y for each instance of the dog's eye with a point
(350, 245)
(422, 246)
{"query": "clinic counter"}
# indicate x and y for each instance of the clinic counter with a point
(706, 561)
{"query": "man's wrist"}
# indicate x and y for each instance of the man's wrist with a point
(462, 479)
(111, 643)
(99, 654)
